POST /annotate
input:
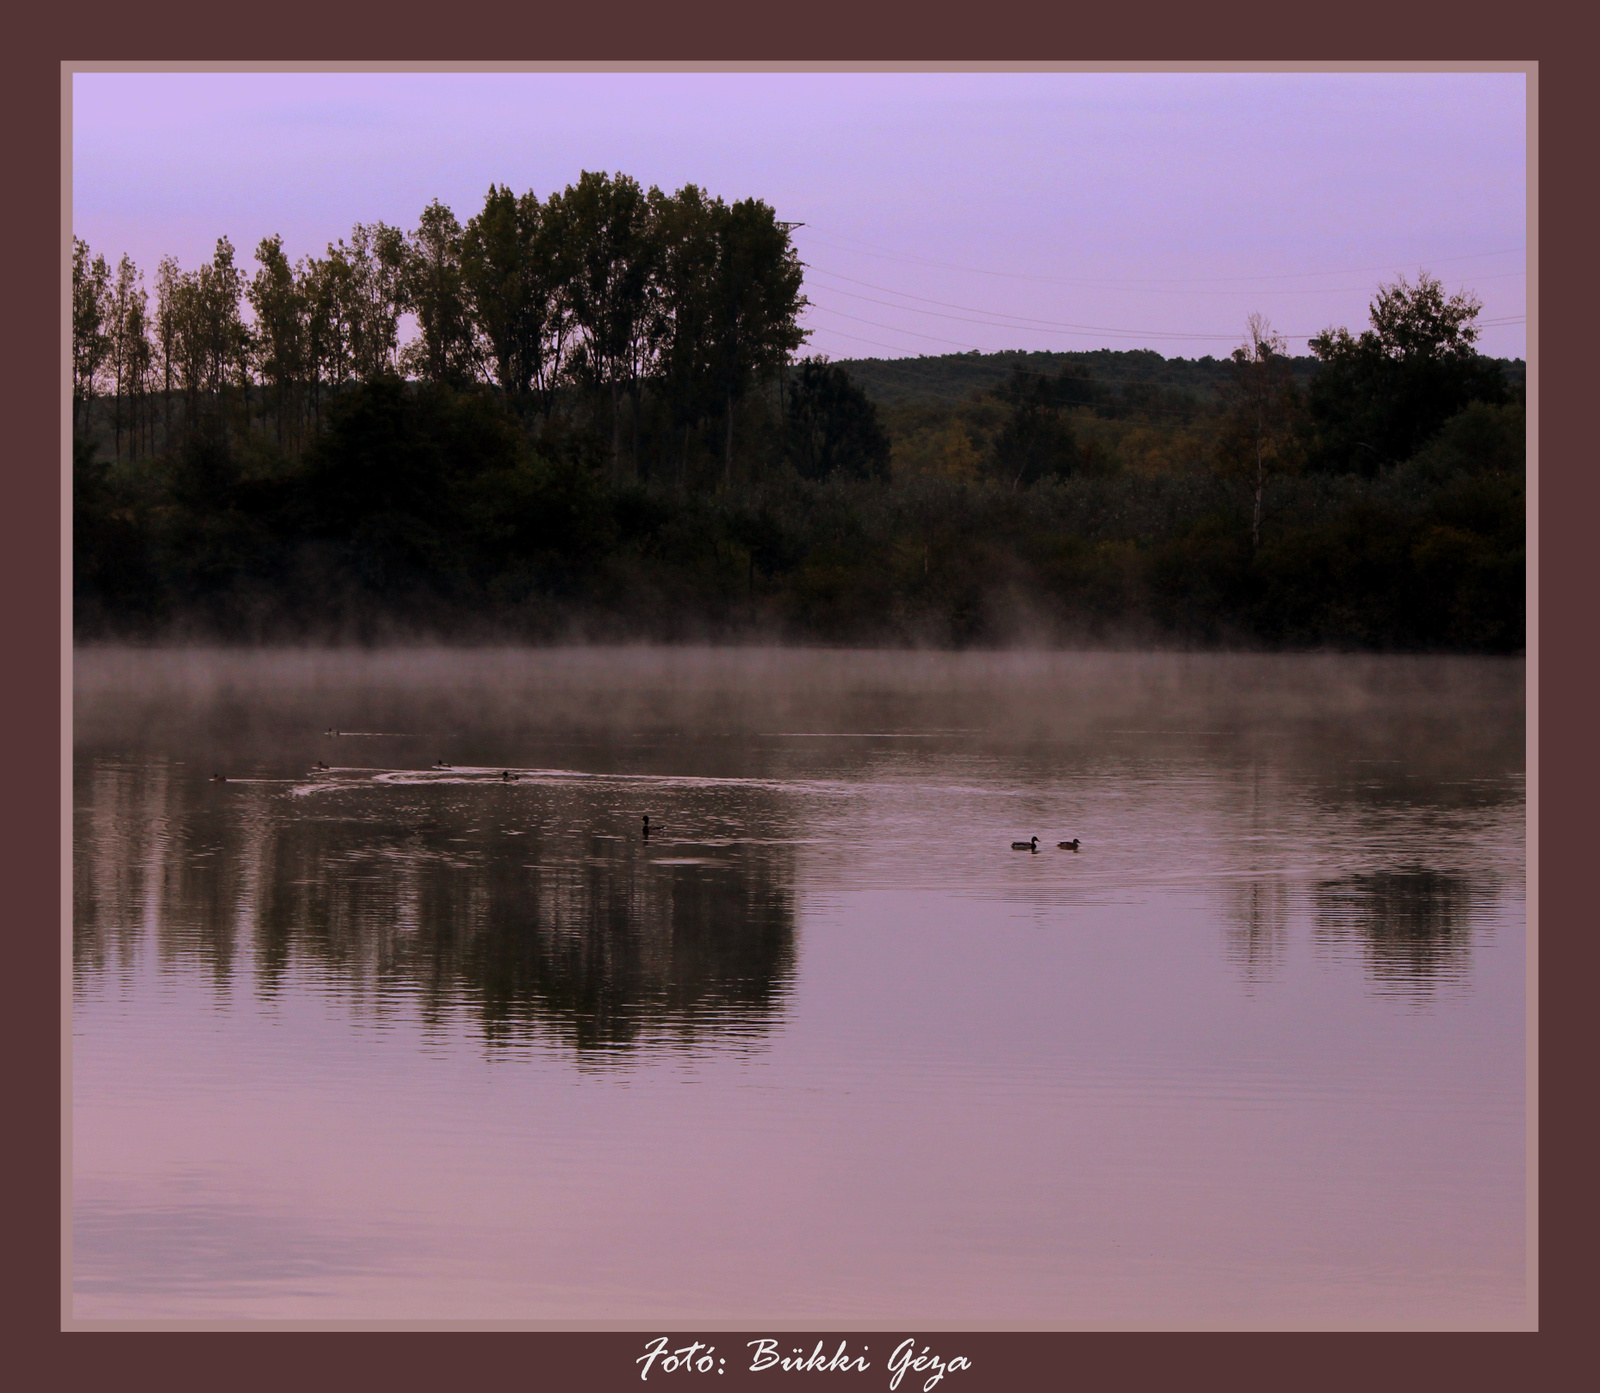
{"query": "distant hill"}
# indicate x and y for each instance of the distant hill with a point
(949, 378)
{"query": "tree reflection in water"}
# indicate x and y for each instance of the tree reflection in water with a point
(1414, 927)
(538, 918)
(1256, 928)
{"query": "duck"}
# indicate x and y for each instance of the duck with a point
(1069, 846)
(440, 764)
(321, 765)
(1032, 844)
(219, 778)
(506, 776)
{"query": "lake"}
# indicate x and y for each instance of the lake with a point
(436, 1032)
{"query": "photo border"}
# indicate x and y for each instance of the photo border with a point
(1561, 583)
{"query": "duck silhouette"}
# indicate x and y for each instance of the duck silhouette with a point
(1069, 846)
(506, 776)
(321, 765)
(1032, 844)
(219, 778)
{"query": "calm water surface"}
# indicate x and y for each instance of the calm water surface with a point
(391, 1040)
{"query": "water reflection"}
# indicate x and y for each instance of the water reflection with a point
(1256, 928)
(535, 908)
(380, 1040)
(534, 905)
(1413, 927)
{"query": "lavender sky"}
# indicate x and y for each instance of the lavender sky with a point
(942, 211)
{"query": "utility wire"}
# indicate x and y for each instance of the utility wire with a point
(1325, 290)
(1023, 323)
(895, 329)
(1190, 280)
(1039, 327)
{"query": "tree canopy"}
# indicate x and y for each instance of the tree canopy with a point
(597, 421)
(1381, 394)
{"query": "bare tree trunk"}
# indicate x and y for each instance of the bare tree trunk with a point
(727, 461)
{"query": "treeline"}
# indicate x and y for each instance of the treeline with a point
(952, 378)
(600, 303)
(598, 431)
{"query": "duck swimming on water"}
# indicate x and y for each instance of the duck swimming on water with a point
(219, 778)
(1069, 846)
(1032, 844)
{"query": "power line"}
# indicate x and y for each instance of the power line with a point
(1192, 280)
(895, 329)
(1021, 322)
(1026, 323)
(1325, 290)
(856, 338)
(956, 343)
(1039, 326)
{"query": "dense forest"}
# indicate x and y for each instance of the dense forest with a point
(584, 417)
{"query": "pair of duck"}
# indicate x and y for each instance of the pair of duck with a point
(1032, 844)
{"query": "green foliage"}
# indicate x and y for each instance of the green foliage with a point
(91, 280)
(513, 262)
(831, 425)
(112, 581)
(436, 290)
(1382, 394)
(1118, 383)
(1482, 439)
(278, 478)
(1035, 442)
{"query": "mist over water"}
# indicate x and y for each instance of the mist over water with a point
(404, 1017)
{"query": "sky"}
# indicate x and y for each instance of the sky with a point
(940, 212)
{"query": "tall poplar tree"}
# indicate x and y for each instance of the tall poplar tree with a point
(169, 293)
(91, 279)
(444, 350)
(755, 304)
(374, 297)
(686, 232)
(278, 301)
(612, 259)
(512, 269)
(126, 348)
